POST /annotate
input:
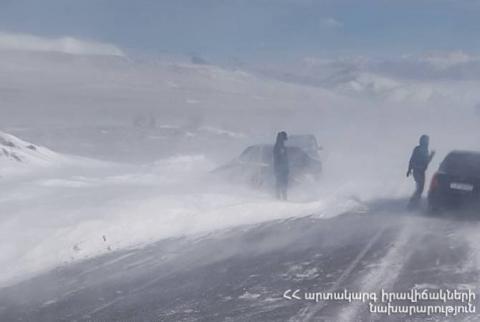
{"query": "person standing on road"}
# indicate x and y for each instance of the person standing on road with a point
(280, 166)
(418, 164)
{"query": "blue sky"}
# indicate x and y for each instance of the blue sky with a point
(246, 29)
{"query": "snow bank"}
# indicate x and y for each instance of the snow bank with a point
(14, 149)
(80, 216)
(18, 156)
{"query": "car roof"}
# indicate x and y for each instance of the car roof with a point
(464, 163)
(270, 146)
(302, 136)
(463, 153)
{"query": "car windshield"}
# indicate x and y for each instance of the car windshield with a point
(264, 154)
(257, 154)
(306, 142)
(251, 154)
(464, 164)
(297, 157)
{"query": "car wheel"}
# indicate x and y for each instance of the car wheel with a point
(434, 208)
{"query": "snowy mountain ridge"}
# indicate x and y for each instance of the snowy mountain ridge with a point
(14, 150)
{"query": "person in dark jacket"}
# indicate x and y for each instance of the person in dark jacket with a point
(280, 166)
(418, 164)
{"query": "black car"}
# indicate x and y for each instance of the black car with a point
(457, 181)
(254, 166)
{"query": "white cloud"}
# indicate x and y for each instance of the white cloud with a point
(68, 45)
(448, 59)
(331, 23)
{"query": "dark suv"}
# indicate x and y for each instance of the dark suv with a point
(457, 181)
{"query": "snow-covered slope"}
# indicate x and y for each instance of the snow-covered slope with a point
(432, 78)
(14, 150)
(21, 157)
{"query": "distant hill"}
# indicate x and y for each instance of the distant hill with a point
(14, 150)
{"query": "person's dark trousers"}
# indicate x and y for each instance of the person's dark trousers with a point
(281, 186)
(419, 177)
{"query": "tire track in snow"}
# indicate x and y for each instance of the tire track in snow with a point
(309, 312)
(385, 274)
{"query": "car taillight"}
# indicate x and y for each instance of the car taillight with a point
(434, 184)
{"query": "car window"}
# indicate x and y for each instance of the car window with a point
(306, 142)
(464, 164)
(296, 157)
(255, 154)
(267, 154)
(245, 154)
(250, 154)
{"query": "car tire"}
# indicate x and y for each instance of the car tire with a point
(434, 208)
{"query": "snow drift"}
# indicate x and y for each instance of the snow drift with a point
(15, 150)
(18, 156)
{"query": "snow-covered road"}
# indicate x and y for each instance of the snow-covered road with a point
(241, 273)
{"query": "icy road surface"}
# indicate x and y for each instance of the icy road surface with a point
(241, 274)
